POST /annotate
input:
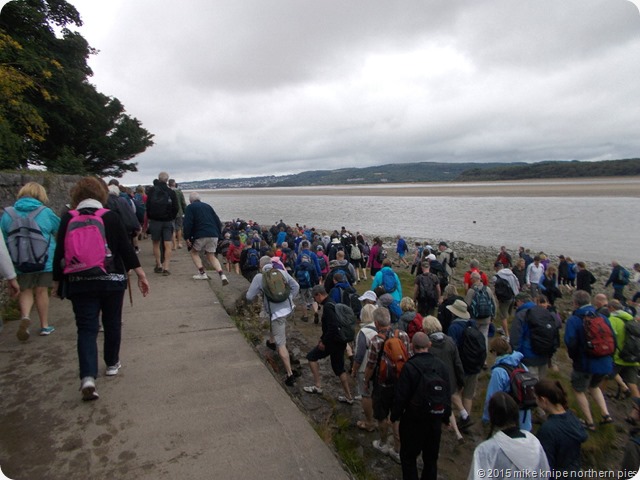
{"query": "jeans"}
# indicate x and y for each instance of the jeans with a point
(87, 308)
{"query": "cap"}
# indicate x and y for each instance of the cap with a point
(431, 257)
(368, 295)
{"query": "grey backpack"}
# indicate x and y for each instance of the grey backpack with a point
(27, 245)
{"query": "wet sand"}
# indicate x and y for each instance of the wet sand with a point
(583, 187)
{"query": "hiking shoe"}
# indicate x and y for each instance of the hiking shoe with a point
(271, 345)
(166, 273)
(46, 331)
(395, 456)
(316, 318)
(312, 389)
(381, 447)
(225, 280)
(343, 399)
(113, 370)
(290, 380)
(464, 424)
(23, 330)
(201, 276)
(88, 389)
(157, 270)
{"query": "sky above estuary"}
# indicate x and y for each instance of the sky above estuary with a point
(261, 87)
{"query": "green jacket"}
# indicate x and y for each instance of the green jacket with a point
(618, 320)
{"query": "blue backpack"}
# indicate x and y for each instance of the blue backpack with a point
(253, 260)
(389, 281)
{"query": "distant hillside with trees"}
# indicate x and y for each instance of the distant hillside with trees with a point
(432, 172)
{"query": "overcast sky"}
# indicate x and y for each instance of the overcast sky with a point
(259, 87)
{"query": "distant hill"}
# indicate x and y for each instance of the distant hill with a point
(431, 172)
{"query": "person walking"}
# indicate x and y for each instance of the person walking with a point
(34, 286)
(201, 230)
(96, 295)
(162, 208)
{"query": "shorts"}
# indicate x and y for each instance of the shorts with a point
(32, 280)
(628, 373)
(279, 331)
(306, 298)
(504, 309)
(335, 351)
(360, 386)
(360, 263)
(382, 401)
(179, 222)
(161, 230)
(469, 387)
(208, 244)
(581, 381)
(538, 371)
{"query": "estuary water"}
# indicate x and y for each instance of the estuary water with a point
(596, 229)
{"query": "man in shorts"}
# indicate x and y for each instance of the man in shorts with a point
(328, 346)
(588, 372)
(178, 222)
(162, 208)
(201, 230)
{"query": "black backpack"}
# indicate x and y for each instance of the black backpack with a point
(503, 290)
(432, 396)
(159, 204)
(427, 287)
(631, 348)
(438, 269)
(543, 331)
(473, 351)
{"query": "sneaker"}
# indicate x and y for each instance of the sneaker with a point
(201, 276)
(344, 399)
(224, 279)
(395, 456)
(113, 370)
(47, 331)
(166, 273)
(23, 330)
(381, 447)
(290, 380)
(88, 389)
(464, 424)
(137, 251)
(157, 270)
(312, 389)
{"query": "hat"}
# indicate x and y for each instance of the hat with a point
(368, 295)
(443, 244)
(459, 309)
(385, 300)
(266, 260)
(319, 247)
(335, 241)
(431, 257)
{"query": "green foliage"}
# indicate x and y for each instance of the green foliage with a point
(49, 113)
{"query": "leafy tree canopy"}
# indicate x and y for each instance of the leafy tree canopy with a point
(50, 115)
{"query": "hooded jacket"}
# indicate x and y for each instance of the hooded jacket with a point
(520, 338)
(561, 436)
(618, 320)
(444, 348)
(377, 281)
(499, 382)
(574, 339)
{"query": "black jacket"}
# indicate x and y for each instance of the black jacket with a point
(171, 212)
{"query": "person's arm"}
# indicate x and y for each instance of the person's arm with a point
(143, 283)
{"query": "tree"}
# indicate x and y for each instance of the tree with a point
(53, 116)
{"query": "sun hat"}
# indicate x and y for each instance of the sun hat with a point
(335, 241)
(459, 309)
(368, 295)
(431, 257)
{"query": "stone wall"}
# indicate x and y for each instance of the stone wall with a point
(57, 187)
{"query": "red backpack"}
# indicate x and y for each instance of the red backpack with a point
(599, 337)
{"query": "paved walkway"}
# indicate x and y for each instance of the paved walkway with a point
(192, 400)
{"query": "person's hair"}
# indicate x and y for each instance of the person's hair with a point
(450, 290)
(338, 277)
(420, 340)
(172, 182)
(568, 259)
(193, 196)
(139, 189)
(382, 317)
(304, 244)
(474, 263)
(615, 305)
(318, 289)
(386, 262)
(431, 324)
(366, 314)
(581, 298)
(541, 298)
(503, 412)
(34, 190)
(536, 258)
(523, 297)
(475, 277)
(163, 177)
(89, 187)
(581, 264)
(499, 346)
(553, 391)
(551, 269)
(340, 255)
(407, 304)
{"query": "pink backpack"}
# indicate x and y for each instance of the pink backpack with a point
(86, 253)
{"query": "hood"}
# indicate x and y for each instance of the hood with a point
(512, 359)
(584, 310)
(522, 452)
(622, 315)
(27, 204)
(525, 306)
(344, 285)
(341, 263)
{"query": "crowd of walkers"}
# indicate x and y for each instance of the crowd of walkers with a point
(412, 359)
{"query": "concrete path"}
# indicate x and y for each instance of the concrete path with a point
(192, 400)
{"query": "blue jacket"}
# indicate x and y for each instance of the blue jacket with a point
(574, 339)
(200, 221)
(48, 222)
(520, 339)
(314, 260)
(377, 281)
(499, 382)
